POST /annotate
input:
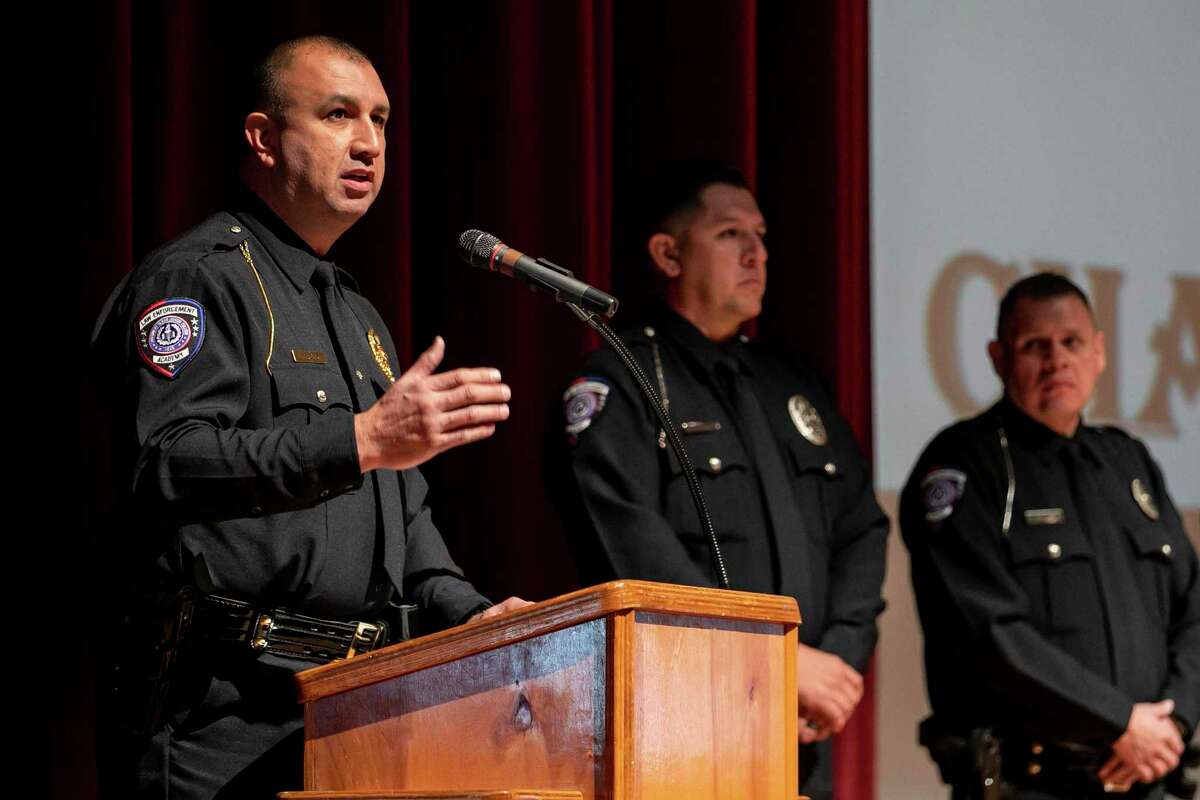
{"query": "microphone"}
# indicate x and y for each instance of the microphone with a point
(485, 251)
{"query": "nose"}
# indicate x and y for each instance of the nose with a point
(754, 252)
(1056, 356)
(368, 141)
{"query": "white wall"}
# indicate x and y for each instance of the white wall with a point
(1007, 135)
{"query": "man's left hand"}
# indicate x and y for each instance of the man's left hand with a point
(511, 604)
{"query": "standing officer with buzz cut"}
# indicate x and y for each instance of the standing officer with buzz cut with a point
(267, 437)
(1058, 591)
(788, 490)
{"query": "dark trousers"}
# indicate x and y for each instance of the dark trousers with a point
(235, 731)
(1137, 793)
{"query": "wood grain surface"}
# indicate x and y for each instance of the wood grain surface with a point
(711, 705)
(554, 614)
(530, 714)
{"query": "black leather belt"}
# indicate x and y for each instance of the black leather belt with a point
(283, 632)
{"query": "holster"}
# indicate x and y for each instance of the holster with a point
(148, 648)
(970, 761)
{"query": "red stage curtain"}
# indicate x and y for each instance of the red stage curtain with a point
(534, 121)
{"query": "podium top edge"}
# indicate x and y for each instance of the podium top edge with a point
(564, 611)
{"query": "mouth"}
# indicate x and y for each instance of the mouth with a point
(1055, 386)
(358, 181)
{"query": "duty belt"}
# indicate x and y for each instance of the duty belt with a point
(283, 632)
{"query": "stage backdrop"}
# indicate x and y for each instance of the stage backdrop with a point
(1006, 138)
(534, 121)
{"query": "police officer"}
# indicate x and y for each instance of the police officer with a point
(267, 443)
(790, 496)
(1058, 591)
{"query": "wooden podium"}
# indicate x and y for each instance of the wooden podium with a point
(625, 690)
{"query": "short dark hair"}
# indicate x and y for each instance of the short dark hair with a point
(1039, 286)
(268, 89)
(675, 189)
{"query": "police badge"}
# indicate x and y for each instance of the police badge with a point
(582, 401)
(806, 419)
(169, 334)
(381, 356)
(940, 490)
(1145, 500)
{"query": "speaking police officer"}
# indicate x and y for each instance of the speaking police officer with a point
(267, 441)
(790, 496)
(1058, 591)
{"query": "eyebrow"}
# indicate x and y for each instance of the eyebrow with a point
(723, 219)
(345, 99)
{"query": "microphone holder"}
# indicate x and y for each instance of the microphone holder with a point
(664, 419)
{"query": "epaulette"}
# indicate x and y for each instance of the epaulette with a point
(1111, 429)
(223, 231)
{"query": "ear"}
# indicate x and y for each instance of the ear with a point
(664, 252)
(999, 356)
(262, 134)
(1101, 350)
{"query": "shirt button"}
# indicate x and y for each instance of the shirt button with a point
(324, 493)
(831, 468)
(256, 510)
(358, 372)
(714, 464)
(1034, 768)
(1166, 549)
(1054, 550)
(648, 331)
(321, 396)
(236, 229)
(1036, 748)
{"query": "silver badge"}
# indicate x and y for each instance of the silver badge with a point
(1144, 499)
(807, 420)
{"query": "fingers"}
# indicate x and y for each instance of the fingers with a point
(428, 361)
(1164, 708)
(808, 732)
(473, 393)
(511, 604)
(471, 416)
(452, 379)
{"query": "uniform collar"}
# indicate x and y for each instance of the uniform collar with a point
(704, 352)
(293, 255)
(1036, 437)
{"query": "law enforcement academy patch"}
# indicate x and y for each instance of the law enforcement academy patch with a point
(169, 334)
(582, 401)
(940, 490)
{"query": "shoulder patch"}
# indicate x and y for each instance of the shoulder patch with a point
(582, 401)
(169, 334)
(940, 490)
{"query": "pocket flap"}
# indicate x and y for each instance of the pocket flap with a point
(310, 385)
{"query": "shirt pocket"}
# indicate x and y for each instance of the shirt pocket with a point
(304, 392)
(817, 474)
(1154, 562)
(1055, 565)
(726, 481)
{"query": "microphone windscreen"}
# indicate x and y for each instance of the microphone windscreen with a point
(475, 247)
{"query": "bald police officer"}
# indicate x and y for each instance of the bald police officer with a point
(267, 445)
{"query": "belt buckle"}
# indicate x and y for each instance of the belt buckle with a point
(366, 636)
(262, 629)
